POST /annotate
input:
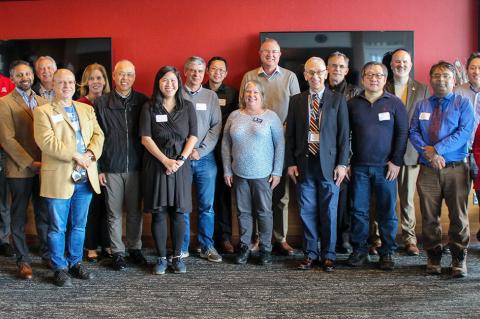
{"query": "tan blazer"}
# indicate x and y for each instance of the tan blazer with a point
(55, 135)
(16, 135)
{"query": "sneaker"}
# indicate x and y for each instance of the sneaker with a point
(80, 271)
(136, 257)
(243, 254)
(161, 266)
(119, 262)
(62, 279)
(386, 262)
(357, 259)
(211, 254)
(459, 265)
(6, 250)
(265, 258)
(179, 265)
(184, 254)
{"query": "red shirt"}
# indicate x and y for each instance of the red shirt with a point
(6, 85)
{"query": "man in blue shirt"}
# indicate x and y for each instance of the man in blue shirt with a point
(440, 130)
(379, 125)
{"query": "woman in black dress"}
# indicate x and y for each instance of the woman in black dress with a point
(168, 127)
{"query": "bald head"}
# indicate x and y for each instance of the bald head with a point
(64, 84)
(315, 74)
(124, 76)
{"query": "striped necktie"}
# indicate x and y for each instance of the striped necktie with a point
(314, 147)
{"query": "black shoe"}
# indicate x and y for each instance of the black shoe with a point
(357, 259)
(478, 235)
(243, 254)
(6, 250)
(265, 258)
(386, 262)
(62, 279)
(119, 262)
(136, 257)
(80, 271)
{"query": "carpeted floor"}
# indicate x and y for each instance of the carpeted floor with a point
(227, 290)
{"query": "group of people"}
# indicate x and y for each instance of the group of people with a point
(335, 143)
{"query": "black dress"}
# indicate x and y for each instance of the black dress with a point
(169, 131)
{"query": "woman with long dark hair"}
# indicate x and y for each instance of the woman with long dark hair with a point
(168, 127)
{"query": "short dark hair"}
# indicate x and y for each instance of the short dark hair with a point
(374, 63)
(217, 58)
(442, 65)
(16, 63)
(473, 56)
(338, 54)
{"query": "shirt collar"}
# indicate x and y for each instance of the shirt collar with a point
(261, 71)
(472, 88)
(319, 94)
(24, 93)
(191, 92)
(447, 98)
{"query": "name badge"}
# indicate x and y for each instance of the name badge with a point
(424, 116)
(222, 102)
(201, 107)
(384, 116)
(313, 137)
(257, 120)
(161, 118)
(57, 118)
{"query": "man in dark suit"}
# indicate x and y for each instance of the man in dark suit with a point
(22, 164)
(317, 153)
(410, 92)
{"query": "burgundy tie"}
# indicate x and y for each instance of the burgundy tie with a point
(435, 123)
(313, 147)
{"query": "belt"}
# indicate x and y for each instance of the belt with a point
(453, 164)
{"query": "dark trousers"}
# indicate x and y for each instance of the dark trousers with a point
(343, 214)
(4, 211)
(22, 189)
(160, 231)
(223, 206)
(96, 232)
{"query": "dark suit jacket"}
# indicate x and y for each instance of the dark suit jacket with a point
(334, 133)
(416, 91)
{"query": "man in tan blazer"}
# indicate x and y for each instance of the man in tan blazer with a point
(23, 163)
(71, 141)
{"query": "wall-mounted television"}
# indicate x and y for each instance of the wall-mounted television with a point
(72, 53)
(360, 46)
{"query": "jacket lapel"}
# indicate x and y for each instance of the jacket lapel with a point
(21, 103)
(58, 109)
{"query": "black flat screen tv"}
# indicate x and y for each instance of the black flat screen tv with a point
(72, 53)
(360, 46)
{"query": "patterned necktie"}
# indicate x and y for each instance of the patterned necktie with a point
(314, 147)
(435, 123)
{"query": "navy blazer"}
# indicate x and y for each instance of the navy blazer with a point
(334, 133)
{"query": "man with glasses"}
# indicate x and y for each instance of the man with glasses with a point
(410, 92)
(279, 84)
(440, 131)
(317, 154)
(379, 126)
(337, 67)
(228, 100)
(120, 166)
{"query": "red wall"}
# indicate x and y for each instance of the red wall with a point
(156, 33)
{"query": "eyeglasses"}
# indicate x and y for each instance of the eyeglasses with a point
(313, 73)
(270, 51)
(438, 76)
(374, 75)
(126, 74)
(221, 71)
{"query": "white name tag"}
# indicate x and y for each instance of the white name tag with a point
(313, 137)
(201, 107)
(384, 116)
(222, 102)
(57, 118)
(424, 116)
(161, 118)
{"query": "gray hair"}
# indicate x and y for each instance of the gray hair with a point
(45, 57)
(194, 60)
(339, 54)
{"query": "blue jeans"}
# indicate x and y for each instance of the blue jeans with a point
(318, 202)
(365, 180)
(72, 212)
(204, 172)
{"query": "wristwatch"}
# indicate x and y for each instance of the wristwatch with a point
(181, 158)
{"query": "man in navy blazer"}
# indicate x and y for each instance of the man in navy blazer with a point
(317, 151)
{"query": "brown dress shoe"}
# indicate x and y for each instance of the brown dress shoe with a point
(286, 249)
(24, 271)
(328, 265)
(227, 247)
(306, 264)
(412, 249)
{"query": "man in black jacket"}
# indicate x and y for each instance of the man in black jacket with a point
(118, 113)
